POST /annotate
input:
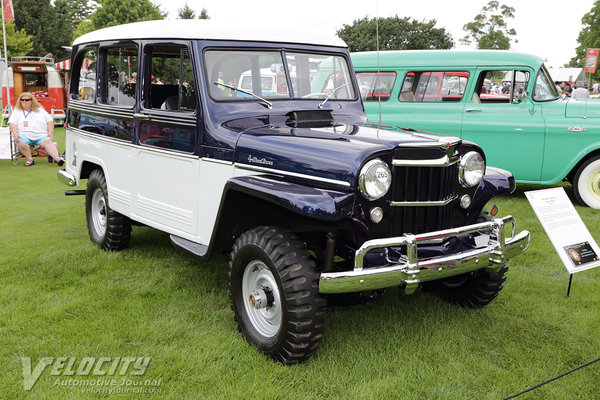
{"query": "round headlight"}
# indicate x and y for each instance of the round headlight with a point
(374, 179)
(471, 169)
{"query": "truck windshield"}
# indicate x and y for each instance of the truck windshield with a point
(275, 76)
(544, 89)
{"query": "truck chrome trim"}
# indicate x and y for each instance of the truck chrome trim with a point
(440, 162)
(424, 203)
(294, 174)
(66, 178)
(413, 271)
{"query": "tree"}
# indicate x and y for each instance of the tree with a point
(489, 30)
(589, 38)
(395, 33)
(186, 13)
(203, 14)
(40, 20)
(18, 42)
(117, 12)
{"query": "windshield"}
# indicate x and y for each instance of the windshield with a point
(544, 89)
(269, 75)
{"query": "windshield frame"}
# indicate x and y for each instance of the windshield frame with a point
(283, 52)
(543, 72)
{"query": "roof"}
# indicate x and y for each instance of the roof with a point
(211, 30)
(444, 58)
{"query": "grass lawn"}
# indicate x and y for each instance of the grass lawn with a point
(61, 296)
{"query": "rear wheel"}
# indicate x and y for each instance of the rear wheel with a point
(586, 184)
(274, 292)
(107, 228)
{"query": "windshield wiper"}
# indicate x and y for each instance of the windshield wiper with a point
(331, 94)
(267, 102)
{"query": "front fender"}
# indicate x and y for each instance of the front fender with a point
(321, 204)
(495, 181)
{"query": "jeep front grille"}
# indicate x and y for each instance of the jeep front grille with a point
(424, 190)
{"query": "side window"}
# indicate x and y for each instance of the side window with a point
(119, 80)
(434, 86)
(170, 79)
(501, 86)
(376, 88)
(86, 83)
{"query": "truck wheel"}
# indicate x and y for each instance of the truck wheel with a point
(274, 293)
(473, 290)
(107, 228)
(586, 184)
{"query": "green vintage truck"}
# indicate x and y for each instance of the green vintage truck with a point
(504, 101)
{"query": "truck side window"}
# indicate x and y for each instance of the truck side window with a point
(86, 89)
(118, 81)
(171, 79)
(501, 86)
(434, 86)
(375, 88)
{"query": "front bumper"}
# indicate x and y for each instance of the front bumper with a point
(412, 271)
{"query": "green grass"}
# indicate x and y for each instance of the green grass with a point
(62, 296)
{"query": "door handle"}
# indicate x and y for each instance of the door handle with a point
(473, 110)
(142, 116)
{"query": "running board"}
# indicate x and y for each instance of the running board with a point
(194, 248)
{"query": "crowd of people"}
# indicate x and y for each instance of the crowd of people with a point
(577, 91)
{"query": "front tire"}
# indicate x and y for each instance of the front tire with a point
(586, 184)
(473, 290)
(274, 292)
(107, 228)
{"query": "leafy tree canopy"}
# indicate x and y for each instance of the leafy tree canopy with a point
(395, 33)
(18, 42)
(117, 12)
(589, 38)
(186, 12)
(489, 30)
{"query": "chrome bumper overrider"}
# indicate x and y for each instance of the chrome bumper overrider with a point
(500, 247)
(66, 178)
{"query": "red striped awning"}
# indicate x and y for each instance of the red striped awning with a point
(66, 64)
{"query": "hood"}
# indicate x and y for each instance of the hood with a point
(588, 108)
(333, 153)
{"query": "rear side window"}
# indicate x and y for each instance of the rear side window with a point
(170, 81)
(434, 86)
(86, 84)
(374, 86)
(118, 81)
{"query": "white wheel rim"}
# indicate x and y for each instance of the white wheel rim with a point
(99, 212)
(267, 321)
(589, 184)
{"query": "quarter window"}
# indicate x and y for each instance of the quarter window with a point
(86, 87)
(374, 86)
(434, 86)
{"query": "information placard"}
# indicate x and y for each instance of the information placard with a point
(567, 232)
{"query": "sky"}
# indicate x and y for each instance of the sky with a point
(545, 28)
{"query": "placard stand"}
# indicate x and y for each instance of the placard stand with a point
(565, 229)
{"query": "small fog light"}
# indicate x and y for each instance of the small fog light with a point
(465, 201)
(376, 214)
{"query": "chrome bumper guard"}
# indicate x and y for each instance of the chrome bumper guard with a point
(66, 178)
(414, 271)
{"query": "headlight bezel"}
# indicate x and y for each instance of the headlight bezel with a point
(367, 178)
(471, 169)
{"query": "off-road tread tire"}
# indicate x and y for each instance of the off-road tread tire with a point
(118, 227)
(303, 308)
(478, 290)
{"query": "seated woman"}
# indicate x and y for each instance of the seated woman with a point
(30, 124)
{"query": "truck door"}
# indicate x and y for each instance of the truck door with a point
(167, 168)
(501, 118)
